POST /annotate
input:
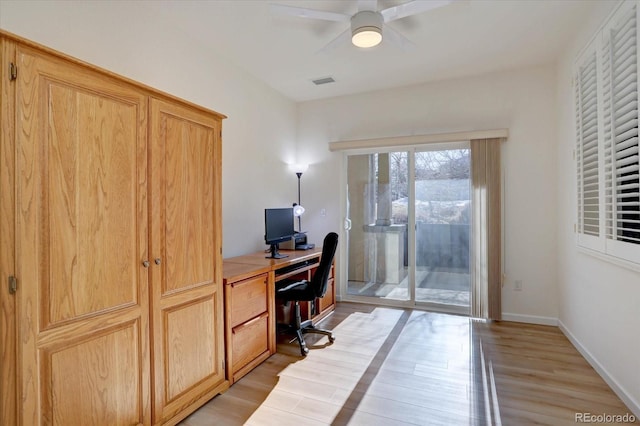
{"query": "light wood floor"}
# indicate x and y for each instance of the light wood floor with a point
(401, 367)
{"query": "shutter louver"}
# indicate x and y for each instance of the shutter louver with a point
(587, 149)
(620, 122)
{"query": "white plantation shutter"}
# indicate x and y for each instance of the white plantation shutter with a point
(587, 146)
(620, 137)
(607, 154)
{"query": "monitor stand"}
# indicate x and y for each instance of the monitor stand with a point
(275, 254)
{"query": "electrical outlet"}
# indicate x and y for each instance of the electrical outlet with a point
(323, 212)
(517, 285)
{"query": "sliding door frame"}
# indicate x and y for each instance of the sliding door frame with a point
(411, 228)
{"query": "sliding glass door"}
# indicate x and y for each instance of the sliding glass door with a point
(442, 231)
(378, 194)
(408, 242)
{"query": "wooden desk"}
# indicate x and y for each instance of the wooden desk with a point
(250, 308)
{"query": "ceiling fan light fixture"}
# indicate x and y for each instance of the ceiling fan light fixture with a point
(366, 29)
(366, 37)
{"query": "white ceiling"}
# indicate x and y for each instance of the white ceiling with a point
(464, 38)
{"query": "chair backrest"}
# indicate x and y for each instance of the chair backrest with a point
(321, 277)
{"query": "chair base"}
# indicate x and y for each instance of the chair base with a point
(311, 329)
(301, 328)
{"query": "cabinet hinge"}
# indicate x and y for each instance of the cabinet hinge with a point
(13, 284)
(13, 71)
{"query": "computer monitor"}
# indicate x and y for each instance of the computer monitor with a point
(278, 228)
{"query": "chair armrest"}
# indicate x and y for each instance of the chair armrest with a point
(291, 285)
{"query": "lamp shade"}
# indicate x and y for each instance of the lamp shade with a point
(298, 210)
(299, 167)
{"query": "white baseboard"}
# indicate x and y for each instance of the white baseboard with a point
(632, 404)
(529, 319)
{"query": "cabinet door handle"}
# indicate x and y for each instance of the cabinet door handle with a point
(145, 263)
(158, 261)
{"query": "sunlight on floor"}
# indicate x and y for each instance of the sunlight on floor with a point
(322, 382)
(350, 381)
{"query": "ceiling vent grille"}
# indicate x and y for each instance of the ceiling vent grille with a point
(325, 80)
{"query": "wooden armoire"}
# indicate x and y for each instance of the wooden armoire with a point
(111, 307)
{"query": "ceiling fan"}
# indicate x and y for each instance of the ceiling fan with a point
(368, 25)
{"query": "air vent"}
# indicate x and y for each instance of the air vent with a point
(325, 80)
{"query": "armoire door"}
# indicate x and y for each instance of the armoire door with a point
(186, 276)
(82, 236)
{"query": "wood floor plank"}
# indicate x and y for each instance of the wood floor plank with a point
(268, 416)
(401, 367)
(354, 417)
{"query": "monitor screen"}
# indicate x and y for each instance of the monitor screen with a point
(278, 225)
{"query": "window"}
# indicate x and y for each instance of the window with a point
(608, 172)
(587, 137)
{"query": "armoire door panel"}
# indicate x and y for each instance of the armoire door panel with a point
(186, 287)
(82, 232)
(189, 181)
(189, 345)
(95, 380)
(90, 193)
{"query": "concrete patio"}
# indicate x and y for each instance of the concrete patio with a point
(449, 286)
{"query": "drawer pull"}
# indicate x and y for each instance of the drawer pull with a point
(249, 323)
(234, 285)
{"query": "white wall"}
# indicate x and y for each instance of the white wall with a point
(596, 302)
(127, 38)
(522, 101)
(599, 302)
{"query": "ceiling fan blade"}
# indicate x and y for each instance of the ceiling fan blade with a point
(411, 8)
(301, 12)
(398, 39)
(367, 5)
(342, 38)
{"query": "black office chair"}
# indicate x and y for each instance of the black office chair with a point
(308, 291)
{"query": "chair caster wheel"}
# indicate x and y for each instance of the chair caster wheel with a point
(332, 339)
(304, 351)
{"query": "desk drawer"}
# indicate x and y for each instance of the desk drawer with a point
(247, 299)
(249, 341)
(327, 300)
